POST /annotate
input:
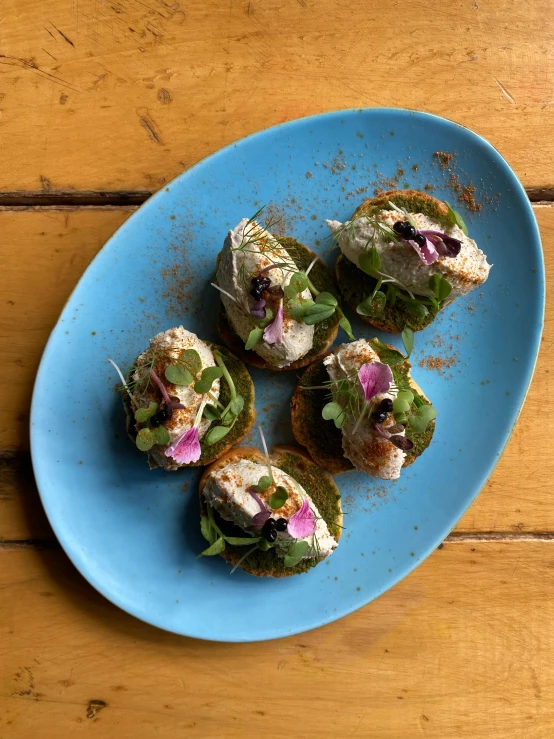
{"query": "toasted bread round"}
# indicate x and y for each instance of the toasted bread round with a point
(355, 285)
(325, 331)
(319, 485)
(245, 421)
(322, 438)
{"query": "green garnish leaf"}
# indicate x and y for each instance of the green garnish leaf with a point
(297, 308)
(417, 309)
(242, 541)
(209, 375)
(400, 417)
(263, 484)
(400, 406)
(237, 404)
(408, 340)
(344, 323)
(406, 395)
(298, 283)
(317, 312)
(440, 286)
(207, 529)
(331, 410)
(455, 218)
(326, 299)
(145, 440)
(425, 414)
(264, 545)
(143, 414)
(389, 356)
(256, 336)
(435, 303)
(296, 553)
(268, 318)
(191, 359)
(392, 292)
(278, 498)
(161, 435)
(370, 262)
(178, 374)
(216, 548)
(372, 306)
(211, 412)
(216, 434)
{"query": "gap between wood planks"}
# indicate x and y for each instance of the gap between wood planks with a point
(117, 199)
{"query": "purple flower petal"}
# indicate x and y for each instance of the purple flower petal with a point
(273, 333)
(447, 246)
(302, 523)
(428, 253)
(260, 518)
(186, 449)
(375, 378)
(258, 309)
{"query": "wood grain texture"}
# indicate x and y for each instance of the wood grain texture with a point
(462, 648)
(125, 94)
(58, 246)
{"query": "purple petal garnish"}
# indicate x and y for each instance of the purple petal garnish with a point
(260, 518)
(428, 253)
(186, 448)
(302, 523)
(375, 378)
(258, 309)
(273, 333)
(447, 246)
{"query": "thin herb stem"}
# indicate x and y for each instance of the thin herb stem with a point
(120, 373)
(268, 461)
(221, 364)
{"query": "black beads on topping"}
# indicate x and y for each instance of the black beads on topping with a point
(379, 416)
(269, 530)
(385, 406)
(161, 416)
(404, 229)
(259, 284)
(419, 239)
(281, 524)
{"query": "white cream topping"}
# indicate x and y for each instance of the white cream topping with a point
(168, 345)
(247, 250)
(226, 490)
(363, 446)
(465, 272)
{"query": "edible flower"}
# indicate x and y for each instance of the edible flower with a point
(186, 448)
(402, 442)
(273, 333)
(260, 518)
(429, 245)
(302, 523)
(375, 378)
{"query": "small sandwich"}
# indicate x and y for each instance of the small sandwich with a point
(187, 400)
(405, 255)
(271, 515)
(278, 299)
(358, 408)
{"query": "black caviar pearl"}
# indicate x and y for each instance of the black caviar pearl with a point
(160, 417)
(379, 417)
(420, 239)
(154, 422)
(269, 530)
(256, 294)
(385, 406)
(405, 229)
(281, 524)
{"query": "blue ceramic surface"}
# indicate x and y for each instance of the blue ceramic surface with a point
(134, 534)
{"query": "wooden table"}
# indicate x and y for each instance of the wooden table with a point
(101, 103)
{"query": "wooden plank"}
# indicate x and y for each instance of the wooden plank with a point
(58, 246)
(461, 648)
(125, 94)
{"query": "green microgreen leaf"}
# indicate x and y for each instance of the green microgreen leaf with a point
(331, 410)
(236, 405)
(389, 356)
(191, 359)
(216, 548)
(317, 313)
(263, 322)
(208, 531)
(392, 292)
(178, 374)
(400, 406)
(209, 375)
(278, 498)
(408, 340)
(370, 262)
(455, 218)
(256, 336)
(296, 553)
(264, 545)
(344, 323)
(400, 417)
(211, 412)
(298, 308)
(425, 414)
(145, 440)
(406, 395)
(263, 484)
(297, 283)
(326, 299)
(161, 435)
(417, 309)
(216, 434)
(242, 541)
(372, 306)
(440, 286)
(143, 414)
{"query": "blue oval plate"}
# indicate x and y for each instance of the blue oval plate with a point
(134, 534)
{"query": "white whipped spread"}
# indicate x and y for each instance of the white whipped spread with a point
(247, 250)
(465, 272)
(365, 448)
(168, 345)
(226, 490)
